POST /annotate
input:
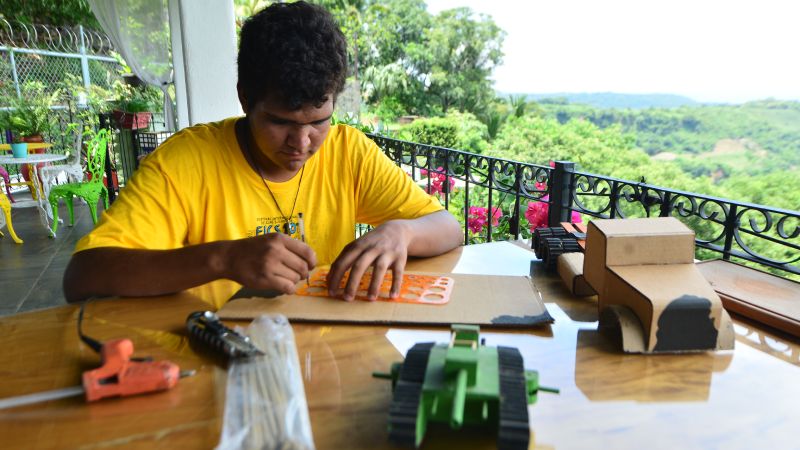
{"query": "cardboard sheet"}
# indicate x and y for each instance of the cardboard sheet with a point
(570, 269)
(754, 294)
(684, 306)
(632, 242)
(486, 300)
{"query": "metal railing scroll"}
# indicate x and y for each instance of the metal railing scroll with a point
(731, 229)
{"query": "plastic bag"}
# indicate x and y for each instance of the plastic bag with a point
(265, 404)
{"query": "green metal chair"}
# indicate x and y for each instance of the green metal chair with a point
(91, 190)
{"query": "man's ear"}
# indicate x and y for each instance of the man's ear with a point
(242, 99)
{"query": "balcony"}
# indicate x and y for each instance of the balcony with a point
(521, 196)
(726, 229)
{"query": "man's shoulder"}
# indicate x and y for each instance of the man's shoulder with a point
(197, 141)
(205, 132)
(350, 138)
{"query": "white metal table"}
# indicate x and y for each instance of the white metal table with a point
(33, 160)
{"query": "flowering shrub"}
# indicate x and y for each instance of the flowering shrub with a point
(537, 214)
(478, 216)
(437, 181)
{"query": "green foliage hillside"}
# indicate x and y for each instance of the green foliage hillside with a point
(721, 140)
(602, 151)
(614, 100)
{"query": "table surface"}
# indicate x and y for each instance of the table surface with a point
(31, 145)
(32, 158)
(745, 398)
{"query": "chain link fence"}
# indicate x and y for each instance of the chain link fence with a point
(51, 55)
(47, 54)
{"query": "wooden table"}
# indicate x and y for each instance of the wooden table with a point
(747, 398)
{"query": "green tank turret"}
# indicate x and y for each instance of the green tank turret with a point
(462, 383)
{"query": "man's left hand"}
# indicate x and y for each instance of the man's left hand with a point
(384, 248)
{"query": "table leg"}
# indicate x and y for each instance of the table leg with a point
(45, 212)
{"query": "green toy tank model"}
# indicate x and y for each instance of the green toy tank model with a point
(462, 383)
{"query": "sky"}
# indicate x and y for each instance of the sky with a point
(709, 50)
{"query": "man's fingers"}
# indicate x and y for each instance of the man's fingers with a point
(397, 279)
(339, 267)
(378, 273)
(280, 278)
(296, 264)
(356, 273)
(302, 250)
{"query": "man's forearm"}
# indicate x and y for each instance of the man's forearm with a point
(110, 271)
(434, 234)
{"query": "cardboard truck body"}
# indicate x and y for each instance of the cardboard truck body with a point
(647, 285)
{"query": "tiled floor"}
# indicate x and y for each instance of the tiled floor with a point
(31, 273)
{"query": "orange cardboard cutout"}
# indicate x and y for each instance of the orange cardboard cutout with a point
(416, 288)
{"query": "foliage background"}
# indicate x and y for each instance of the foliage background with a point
(437, 69)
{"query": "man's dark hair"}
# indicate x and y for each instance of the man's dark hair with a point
(293, 51)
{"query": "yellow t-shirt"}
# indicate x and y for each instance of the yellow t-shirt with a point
(198, 187)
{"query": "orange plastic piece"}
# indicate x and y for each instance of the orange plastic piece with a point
(416, 288)
(576, 227)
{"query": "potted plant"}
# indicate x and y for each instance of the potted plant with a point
(18, 146)
(28, 116)
(132, 107)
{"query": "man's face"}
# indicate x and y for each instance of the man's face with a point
(285, 139)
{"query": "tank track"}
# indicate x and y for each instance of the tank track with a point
(540, 234)
(407, 396)
(513, 432)
(553, 247)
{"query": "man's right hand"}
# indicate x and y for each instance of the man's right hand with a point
(270, 261)
(273, 261)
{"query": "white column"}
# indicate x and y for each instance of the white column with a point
(203, 34)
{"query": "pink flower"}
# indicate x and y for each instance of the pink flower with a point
(497, 213)
(437, 180)
(433, 189)
(537, 214)
(477, 218)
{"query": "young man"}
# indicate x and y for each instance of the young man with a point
(223, 200)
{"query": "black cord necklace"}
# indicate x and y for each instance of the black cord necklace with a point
(252, 158)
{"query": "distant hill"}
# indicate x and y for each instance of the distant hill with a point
(606, 100)
(753, 138)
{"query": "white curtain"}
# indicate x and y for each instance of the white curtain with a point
(139, 29)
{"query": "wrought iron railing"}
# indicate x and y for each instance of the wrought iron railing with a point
(736, 230)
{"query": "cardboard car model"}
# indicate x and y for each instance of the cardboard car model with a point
(649, 287)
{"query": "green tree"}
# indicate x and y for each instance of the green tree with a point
(60, 13)
(457, 58)
(518, 104)
(419, 63)
(780, 189)
(246, 8)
